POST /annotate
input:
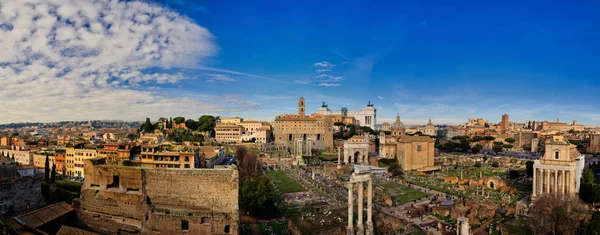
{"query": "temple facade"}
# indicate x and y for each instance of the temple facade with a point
(559, 171)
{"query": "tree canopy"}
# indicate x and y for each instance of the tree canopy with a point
(179, 120)
(206, 123)
(147, 127)
(510, 140)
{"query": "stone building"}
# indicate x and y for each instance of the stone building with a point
(114, 153)
(289, 128)
(387, 143)
(429, 129)
(559, 171)
(133, 200)
(385, 126)
(75, 159)
(365, 117)
(416, 152)
(504, 124)
(557, 126)
(594, 144)
(23, 157)
(232, 120)
(356, 150)
(165, 156)
(228, 133)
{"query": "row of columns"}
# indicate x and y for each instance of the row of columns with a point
(360, 229)
(299, 147)
(549, 180)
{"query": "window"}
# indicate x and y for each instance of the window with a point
(226, 230)
(556, 154)
(418, 148)
(185, 225)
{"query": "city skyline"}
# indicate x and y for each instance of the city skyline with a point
(99, 60)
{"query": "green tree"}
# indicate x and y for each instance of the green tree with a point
(588, 176)
(498, 143)
(507, 146)
(147, 127)
(529, 168)
(476, 138)
(497, 148)
(489, 138)
(179, 120)
(206, 123)
(593, 226)
(495, 164)
(258, 197)
(341, 125)
(53, 176)
(476, 149)
(47, 170)
(395, 169)
(510, 140)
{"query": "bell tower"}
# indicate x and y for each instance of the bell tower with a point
(301, 107)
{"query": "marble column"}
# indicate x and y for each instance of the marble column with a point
(370, 208)
(562, 183)
(547, 180)
(339, 165)
(359, 224)
(350, 229)
(534, 182)
(555, 180)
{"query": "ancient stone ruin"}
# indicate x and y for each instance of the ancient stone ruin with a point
(131, 200)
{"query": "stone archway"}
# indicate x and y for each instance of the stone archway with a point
(356, 156)
(349, 160)
(491, 185)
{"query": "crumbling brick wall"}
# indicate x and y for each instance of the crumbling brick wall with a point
(137, 200)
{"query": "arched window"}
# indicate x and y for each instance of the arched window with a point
(226, 230)
(418, 148)
(187, 159)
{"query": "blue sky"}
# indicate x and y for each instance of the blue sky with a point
(440, 60)
(426, 59)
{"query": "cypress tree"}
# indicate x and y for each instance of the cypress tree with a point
(47, 170)
(53, 177)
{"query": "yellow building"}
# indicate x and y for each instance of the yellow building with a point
(232, 120)
(387, 143)
(228, 133)
(75, 160)
(289, 128)
(559, 171)
(416, 152)
(39, 159)
(163, 156)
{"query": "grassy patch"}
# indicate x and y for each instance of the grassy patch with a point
(402, 194)
(386, 162)
(68, 185)
(457, 153)
(279, 228)
(327, 157)
(284, 183)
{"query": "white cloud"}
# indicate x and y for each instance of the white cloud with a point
(380, 97)
(82, 59)
(303, 80)
(329, 78)
(212, 78)
(329, 84)
(323, 66)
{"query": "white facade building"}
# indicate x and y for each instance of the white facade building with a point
(365, 117)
